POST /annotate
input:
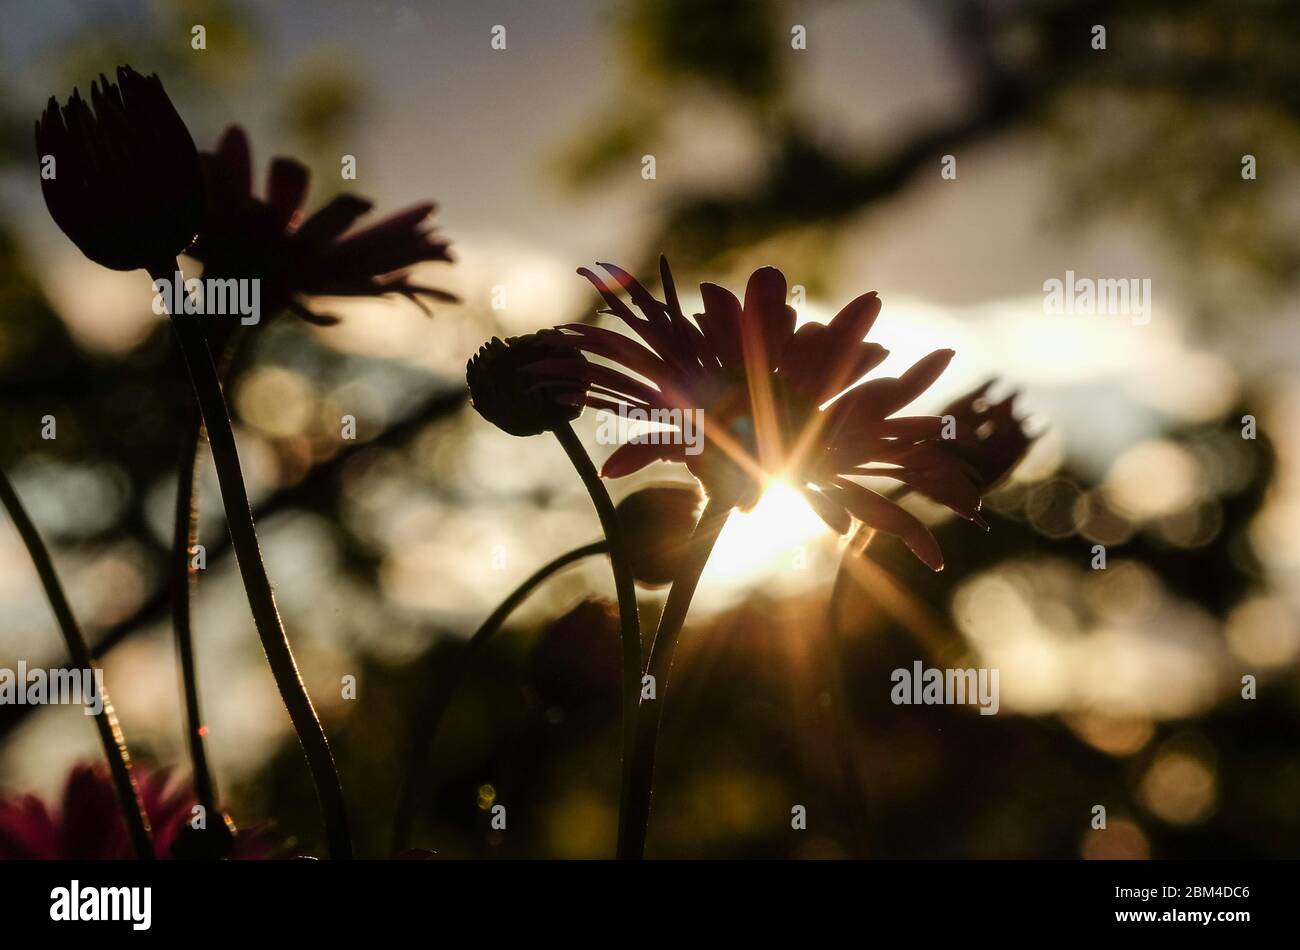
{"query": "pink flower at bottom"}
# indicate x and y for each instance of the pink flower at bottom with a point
(87, 824)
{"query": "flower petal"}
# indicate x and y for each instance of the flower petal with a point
(855, 319)
(768, 317)
(948, 486)
(878, 399)
(821, 365)
(634, 456)
(720, 324)
(624, 350)
(880, 513)
(286, 189)
(609, 379)
(831, 512)
(236, 160)
(328, 223)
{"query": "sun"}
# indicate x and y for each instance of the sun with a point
(767, 541)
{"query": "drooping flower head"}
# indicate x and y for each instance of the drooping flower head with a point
(297, 257)
(120, 175)
(87, 823)
(527, 385)
(776, 402)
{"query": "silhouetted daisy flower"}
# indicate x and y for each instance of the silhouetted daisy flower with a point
(120, 175)
(776, 403)
(298, 257)
(87, 823)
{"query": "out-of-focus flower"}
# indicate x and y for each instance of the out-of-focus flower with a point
(1001, 438)
(122, 178)
(657, 523)
(295, 258)
(574, 665)
(88, 825)
(527, 384)
(760, 387)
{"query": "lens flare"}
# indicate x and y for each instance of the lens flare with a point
(766, 541)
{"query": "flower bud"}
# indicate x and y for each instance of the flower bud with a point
(125, 184)
(526, 385)
(657, 524)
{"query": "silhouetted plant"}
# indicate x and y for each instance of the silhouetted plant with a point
(127, 189)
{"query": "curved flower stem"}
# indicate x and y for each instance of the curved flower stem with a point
(110, 734)
(185, 536)
(439, 697)
(629, 622)
(714, 516)
(243, 536)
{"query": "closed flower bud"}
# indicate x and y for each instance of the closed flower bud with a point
(125, 184)
(529, 384)
(657, 525)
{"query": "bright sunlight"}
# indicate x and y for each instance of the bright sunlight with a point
(769, 540)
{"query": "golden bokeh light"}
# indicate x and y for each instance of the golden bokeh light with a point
(1179, 787)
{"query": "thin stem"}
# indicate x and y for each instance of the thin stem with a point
(243, 537)
(110, 734)
(854, 787)
(714, 516)
(629, 624)
(856, 547)
(185, 537)
(439, 697)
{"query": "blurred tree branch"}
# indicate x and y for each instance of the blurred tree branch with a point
(1028, 65)
(315, 491)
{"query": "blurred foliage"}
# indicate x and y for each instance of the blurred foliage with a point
(729, 44)
(667, 50)
(321, 108)
(1153, 127)
(161, 42)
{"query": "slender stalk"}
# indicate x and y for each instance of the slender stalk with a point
(439, 697)
(856, 547)
(185, 536)
(243, 536)
(110, 734)
(714, 516)
(629, 625)
(854, 787)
